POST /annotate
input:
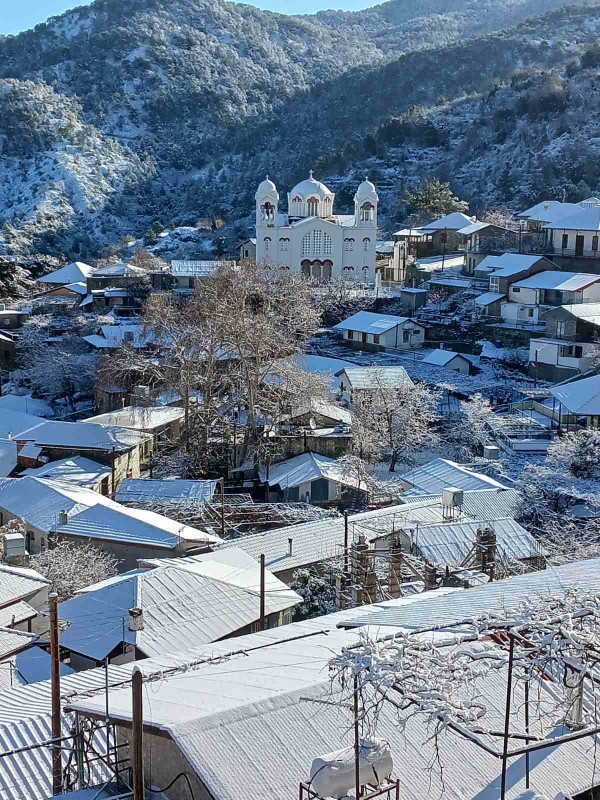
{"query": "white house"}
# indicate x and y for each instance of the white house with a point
(528, 299)
(450, 360)
(75, 272)
(368, 331)
(575, 233)
(310, 239)
(556, 359)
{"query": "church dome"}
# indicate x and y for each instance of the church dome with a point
(311, 187)
(266, 187)
(366, 187)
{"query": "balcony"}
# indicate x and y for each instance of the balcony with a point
(571, 252)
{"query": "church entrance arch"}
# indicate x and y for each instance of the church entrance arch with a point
(327, 268)
(316, 270)
(305, 268)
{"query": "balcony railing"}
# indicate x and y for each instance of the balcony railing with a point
(571, 252)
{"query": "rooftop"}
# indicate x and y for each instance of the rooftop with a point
(442, 357)
(368, 322)
(590, 312)
(562, 281)
(580, 397)
(18, 582)
(439, 474)
(549, 211)
(487, 298)
(75, 272)
(454, 221)
(147, 490)
(141, 418)
(14, 424)
(25, 404)
(78, 470)
(114, 336)
(118, 271)
(305, 468)
(82, 436)
(8, 457)
(584, 219)
(376, 377)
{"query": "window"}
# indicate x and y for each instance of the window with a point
(313, 207)
(367, 213)
(348, 244)
(375, 339)
(306, 245)
(494, 284)
(327, 245)
(267, 244)
(366, 243)
(327, 206)
(578, 351)
(267, 212)
(565, 241)
(351, 334)
(516, 289)
(317, 242)
(594, 243)
(406, 336)
(296, 206)
(284, 245)
(530, 312)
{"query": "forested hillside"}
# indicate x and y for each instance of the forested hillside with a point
(125, 111)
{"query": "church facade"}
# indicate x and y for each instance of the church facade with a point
(310, 238)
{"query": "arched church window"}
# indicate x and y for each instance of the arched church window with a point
(284, 245)
(348, 244)
(296, 208)
(317, 242)
(267, 244)
(327, 206)
(306, 244)
(313, 207)
(367, 212)
(327, 244)
(366, 243)
(267, 212)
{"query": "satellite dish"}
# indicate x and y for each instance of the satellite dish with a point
(313, 424)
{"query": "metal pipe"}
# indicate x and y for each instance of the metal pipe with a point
(511, 653)
(356, 741)
(137, 755)
(527, 733)
(55, 690)
(261, 621)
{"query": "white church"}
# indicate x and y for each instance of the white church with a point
(310, 238)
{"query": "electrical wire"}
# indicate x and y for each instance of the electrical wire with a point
(175, 779)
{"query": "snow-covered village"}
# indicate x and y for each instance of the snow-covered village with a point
(300, 445)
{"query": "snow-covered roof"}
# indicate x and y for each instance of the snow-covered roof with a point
(15, 424)
(16, 613)
(590, 312)
(584, 219)
(461, 283)
(414, 233)
(440, 474)
(185, 602)
(118, 271)
(384, 248)
(548, 211)
(83, 436)
(455, 221)
(563, 281)
(496, 596)
(368, 322)
(8, 457)
(408, 290)
(75, 272)
(487, 298)
(33, 665)
(489, 262)
(30, 450)
(580, 397)
(305, 468)
(475, 227)
(39, 501)
(451, 543)
(479, 504)
(376, 377)
(510, 263)
(442, 358)
(324, 409)
(78, 287)
(146, 490)
(78, 470)
(11, 641)
(18, 582)
(141, 418)
(114, 336)
(193, 269)
(26, 404)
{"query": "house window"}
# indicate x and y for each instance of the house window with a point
(313, 207)
(348, 244)
(516, 289)
(565, 241)
(317, 242)
(375, 339)
(406, 336)
(351, 334)
(594, 243)
(530, 312)
(306, 245)
(578, 351)
(366, 243)
(327, 244)
(494, 284)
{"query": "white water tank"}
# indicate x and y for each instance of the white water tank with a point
(332, 775)
(14, 545)
(491, 452)
(452, 496)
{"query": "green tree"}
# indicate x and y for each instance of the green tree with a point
(433, 198)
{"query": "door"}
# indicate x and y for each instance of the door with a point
(364, 338)
(579, 245)
(319, 491)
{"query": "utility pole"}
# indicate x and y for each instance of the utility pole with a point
(261, 621)
(222, 508)
(55, 690)
(137, 742)
(112, 469)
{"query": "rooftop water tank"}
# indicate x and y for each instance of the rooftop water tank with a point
(332, 775)
(14, 545)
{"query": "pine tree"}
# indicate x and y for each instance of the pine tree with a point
(433, 199)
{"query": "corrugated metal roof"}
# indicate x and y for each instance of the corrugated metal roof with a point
(454, 221)
(377, 377)
(178, 491)
(584, 219)
(186, 602)
(139, 417)
(479, 504)
(16, 583)
(505, 594)
(549, 210)
(487, 298)
(442, 357)
(368, 322)
(452, 542)
(580, 397)
(12, 641)
(16, 613)
(8, 457)
(84, 436)
(76, 271)
(440, 474)
(79, 470)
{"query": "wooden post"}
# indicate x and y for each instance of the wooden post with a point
(112, 470)
(356, 740)
(345, 542)
(511, 653)
(261, 621)
(137, 741)
(527, 733)
(55, 690)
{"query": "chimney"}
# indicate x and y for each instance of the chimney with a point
(431, 576)
(290, 543)
(63, 517)
(136, 619)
